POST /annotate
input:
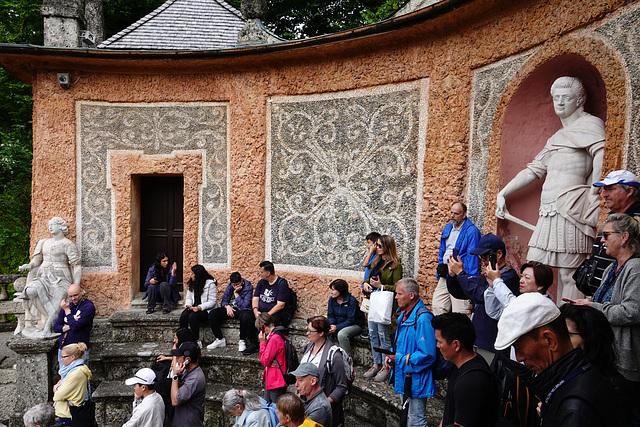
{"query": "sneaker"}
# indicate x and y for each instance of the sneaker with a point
(150, 310)
(252, 349)
(242, 346)
(199, 344)
(219, 342)
(372, 372)
(383, 375)
(365, 334)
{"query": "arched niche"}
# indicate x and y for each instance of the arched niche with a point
(528, 121)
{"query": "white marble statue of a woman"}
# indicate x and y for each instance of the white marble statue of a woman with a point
(54, 266)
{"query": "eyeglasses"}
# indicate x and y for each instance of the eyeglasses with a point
(310, 331)
(606, 234)
(378, 245)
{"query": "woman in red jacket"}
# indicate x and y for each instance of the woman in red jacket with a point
(271, 349)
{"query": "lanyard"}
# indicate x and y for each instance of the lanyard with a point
(562, 382)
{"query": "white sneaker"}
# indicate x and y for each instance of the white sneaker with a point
(217, 343)
(242, 346)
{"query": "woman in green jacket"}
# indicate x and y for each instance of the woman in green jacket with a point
(386, 270)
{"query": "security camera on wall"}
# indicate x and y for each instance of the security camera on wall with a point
(64, 80)
(88, 38)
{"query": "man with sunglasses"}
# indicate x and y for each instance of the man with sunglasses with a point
(621, 193)
(490, 250)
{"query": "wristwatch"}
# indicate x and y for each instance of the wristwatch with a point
(175, 378)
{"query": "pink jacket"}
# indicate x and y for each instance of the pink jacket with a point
(271, 349)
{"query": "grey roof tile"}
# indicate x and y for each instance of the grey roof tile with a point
(182, 25)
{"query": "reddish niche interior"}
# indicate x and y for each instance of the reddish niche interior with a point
(529, 120)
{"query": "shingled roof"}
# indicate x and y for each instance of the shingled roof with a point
(182, 25)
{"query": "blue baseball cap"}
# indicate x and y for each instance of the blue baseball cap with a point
(489, 242)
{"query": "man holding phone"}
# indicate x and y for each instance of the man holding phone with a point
(491, 251)
(458, 237)
(188, 386)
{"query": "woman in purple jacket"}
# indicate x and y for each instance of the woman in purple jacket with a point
(161, 283)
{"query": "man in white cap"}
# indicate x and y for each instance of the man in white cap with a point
(621, 193)
(148, 407)
(571, 391)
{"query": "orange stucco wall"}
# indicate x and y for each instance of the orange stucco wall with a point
(446, 50)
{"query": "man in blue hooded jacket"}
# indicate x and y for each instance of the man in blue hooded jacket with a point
(458, 237)
(415, 352)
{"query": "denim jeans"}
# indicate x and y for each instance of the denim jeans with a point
(417, 416)
(344, 337)
(379, 336)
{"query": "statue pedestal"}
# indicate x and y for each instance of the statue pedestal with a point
(36, 362)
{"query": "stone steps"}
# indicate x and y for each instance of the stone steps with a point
(132, 339)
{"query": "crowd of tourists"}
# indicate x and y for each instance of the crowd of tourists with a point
(510, 354)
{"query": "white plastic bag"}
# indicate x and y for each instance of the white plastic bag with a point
(380, 307)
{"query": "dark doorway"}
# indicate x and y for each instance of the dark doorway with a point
(161, 221)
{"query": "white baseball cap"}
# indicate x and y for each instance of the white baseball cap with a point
(144, 376)
(619, 177)
(524, 314)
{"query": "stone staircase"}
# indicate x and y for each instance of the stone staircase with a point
(131, 339)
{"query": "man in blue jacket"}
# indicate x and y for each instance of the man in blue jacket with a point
(460, 235)
(415, 352)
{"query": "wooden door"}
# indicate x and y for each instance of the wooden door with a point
(161, 221)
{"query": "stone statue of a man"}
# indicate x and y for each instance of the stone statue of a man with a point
(54, 266)
(571, 161)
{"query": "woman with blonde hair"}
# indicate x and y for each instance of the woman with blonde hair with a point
(386, 270)
(71, 396)
(291, 412)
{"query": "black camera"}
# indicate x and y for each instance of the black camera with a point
(442, 270)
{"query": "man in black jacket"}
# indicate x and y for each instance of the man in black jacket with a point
(463, 285)
(571, 391)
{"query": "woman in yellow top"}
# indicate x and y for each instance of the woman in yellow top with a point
(291, 412)
(72, 389)
(386, 270)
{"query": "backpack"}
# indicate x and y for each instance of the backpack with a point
(271, 408)
(326, 359)
(347, 361)
(291, 355)
(441, 368)
(517, 403)
(292, 304)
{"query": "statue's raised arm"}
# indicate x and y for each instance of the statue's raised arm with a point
(569, 163)
(55, 265)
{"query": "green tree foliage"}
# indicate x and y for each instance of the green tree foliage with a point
(20, 22)
(296, 19)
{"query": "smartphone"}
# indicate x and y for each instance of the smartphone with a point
(455, 254)
(568, 300)
(382, 350)
(493, 259)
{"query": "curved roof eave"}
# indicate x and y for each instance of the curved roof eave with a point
(10, 53)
